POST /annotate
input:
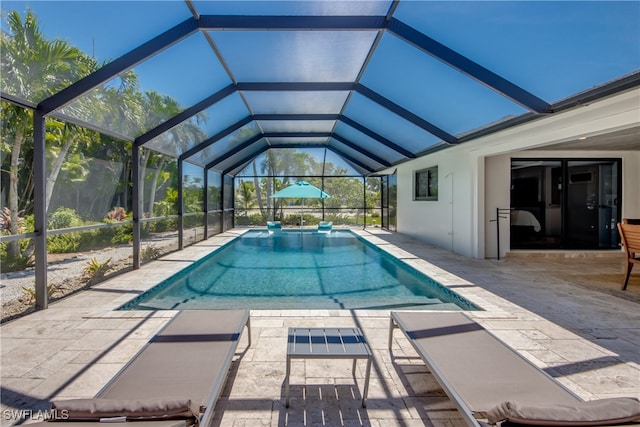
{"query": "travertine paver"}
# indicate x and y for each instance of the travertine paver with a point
(588, 338)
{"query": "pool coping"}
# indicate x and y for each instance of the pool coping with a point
(398, 256)
(135, 282)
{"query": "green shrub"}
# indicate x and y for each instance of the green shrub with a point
(96, 269)
(294, 220)
(93, 239)
(149, 253)
(24, 256)
(17, 263)
(169, 224)
(121, 235)
(255, 219)
(340, 219)
(29, 221)
(63, 243)
(194, 220)
(63, 218)
(29, 293)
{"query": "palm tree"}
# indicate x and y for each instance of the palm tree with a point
(62, 139)
(33, 68)
(164, 107)
(245, 196)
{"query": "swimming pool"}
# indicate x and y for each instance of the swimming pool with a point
(299, 270)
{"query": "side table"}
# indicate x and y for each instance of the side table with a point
(328, 343)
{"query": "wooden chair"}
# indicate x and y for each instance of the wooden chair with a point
(630, 235)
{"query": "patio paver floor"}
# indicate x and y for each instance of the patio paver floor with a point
(564, 314)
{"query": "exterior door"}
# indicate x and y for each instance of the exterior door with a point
(565, 204)
(592, 212)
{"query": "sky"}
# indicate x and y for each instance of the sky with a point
(552, 49)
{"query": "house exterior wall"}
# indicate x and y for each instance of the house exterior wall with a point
(449, 221)
(474, 177)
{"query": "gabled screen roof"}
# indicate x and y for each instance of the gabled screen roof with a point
(217, 83)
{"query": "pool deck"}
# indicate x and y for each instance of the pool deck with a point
(565, 314)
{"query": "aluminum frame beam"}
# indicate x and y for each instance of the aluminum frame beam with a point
(293, 117)
(112, 69)
(380, 139)
(328, 135)
(248, 143)
(40, 210)
(355, 147)
(215, 138)
(298, 22)
(16, 100)
(247, 159)
(384, 141)
(468, 67)
(185, 115)
(346, 120)
(406, 114)
(295, 86)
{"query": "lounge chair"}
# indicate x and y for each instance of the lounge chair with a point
(274, 226)
(183, 367)
(325, 227)
(478, 371)
(630, 236)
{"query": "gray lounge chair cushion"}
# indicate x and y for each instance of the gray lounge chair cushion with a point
(132, 409)
(592, 413)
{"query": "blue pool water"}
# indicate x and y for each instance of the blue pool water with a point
(299, 270)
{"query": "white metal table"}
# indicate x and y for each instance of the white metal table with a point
(328, 343)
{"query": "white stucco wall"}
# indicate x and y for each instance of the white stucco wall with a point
(447, 222)
(474, 177)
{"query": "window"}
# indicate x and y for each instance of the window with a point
(426, 184)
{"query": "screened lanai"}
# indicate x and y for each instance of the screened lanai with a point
(130, 123)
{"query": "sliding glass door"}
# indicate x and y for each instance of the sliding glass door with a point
(593, 200)
(565, 203)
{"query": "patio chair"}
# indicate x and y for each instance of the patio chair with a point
(175, 379)
(274, 226)
(630, 236)
(483, 377)
(325, 227)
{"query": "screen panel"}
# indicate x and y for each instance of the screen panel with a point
(599, 39)
(456, 103)
(294, 56)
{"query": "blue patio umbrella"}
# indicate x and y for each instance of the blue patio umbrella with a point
(301, 190)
